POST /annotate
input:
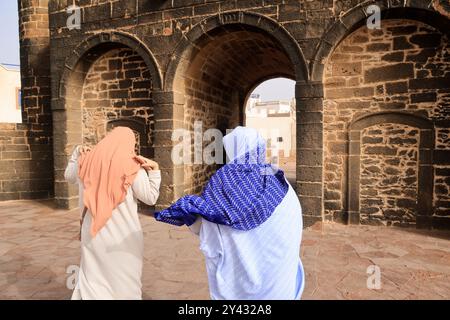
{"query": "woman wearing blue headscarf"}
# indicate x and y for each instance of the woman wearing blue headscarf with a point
(249, 221)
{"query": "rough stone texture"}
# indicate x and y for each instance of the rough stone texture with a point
(34, 264)
(360, 79)
(117, 86)
(26, 164)
(442, 7)
(441, 200)
(389, 174)
(204, 57)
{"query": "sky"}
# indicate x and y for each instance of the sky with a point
(275, 89)
(9, 32)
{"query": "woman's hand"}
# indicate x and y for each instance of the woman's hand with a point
(83, 150)
(147, 164)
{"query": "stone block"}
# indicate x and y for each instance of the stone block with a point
(389, 73)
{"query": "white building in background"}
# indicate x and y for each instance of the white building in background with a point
(275, 120)
(10, 96)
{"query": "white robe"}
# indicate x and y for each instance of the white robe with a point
(111, 263)
(259, 264)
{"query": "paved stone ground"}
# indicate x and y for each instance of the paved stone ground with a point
(37, 244)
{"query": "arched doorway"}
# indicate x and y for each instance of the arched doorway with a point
(401, 71)
(108, 81)
(116, 91)
(270, 109)
(214, 71)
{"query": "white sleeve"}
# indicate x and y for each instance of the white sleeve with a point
(71, 173)
(146, 186)
(196, 226)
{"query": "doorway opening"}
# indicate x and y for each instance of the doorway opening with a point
(270, 109)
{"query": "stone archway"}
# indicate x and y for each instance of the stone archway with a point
(398, 68)
(421, 202)
(108, 79)
(213, 69)
(355, 18)
(187, 46)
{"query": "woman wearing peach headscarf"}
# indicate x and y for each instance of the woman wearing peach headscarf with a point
(111, 178)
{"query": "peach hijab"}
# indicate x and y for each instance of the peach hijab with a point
(106, 173)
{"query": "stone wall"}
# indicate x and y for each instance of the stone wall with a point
(214, 112)
(389, 169)
(117, 86)
(209, 99)
(405, 67)
(26, 162)
(204, 57)
(441, 201)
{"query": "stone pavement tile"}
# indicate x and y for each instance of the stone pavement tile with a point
(13, 265)
(312, 283)
(426, 291)
(5, 246)
(395, 250)
(309, 252)
(324, 292)
(38, 245)
(56, 292)
(397, 277)
(7, 278)
(163, 289)
(29, 271)
(331, 277)
(24, 288)
(21, 238)
(420, 265)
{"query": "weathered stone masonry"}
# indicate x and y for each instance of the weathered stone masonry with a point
(404, 66)
(372, 106)
(116, 88)
(388, 185)
(26, 161)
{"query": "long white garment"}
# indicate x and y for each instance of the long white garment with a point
(262, 263)
(111, 263)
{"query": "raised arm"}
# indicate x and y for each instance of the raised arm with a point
(71, 173)
(146, 186)
(196, 226)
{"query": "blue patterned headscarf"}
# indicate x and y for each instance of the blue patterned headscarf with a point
(242, 194)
